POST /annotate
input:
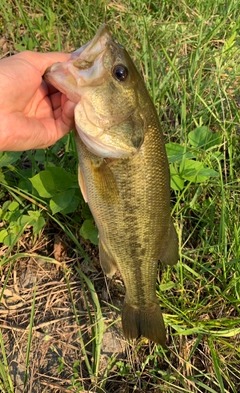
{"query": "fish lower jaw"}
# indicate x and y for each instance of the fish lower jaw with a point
(100, 149)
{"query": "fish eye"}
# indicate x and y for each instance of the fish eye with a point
(120, 72)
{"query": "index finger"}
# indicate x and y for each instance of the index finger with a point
(43, 60)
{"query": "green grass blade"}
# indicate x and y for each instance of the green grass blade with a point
(30, 336)
(216, 364)
(80, 336)
(98, 326)
(6, 384)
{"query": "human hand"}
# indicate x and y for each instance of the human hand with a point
(33, 114)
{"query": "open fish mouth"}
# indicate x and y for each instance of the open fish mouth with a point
(84, 69)
(90, 68)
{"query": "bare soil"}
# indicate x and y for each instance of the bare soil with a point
(55, 344)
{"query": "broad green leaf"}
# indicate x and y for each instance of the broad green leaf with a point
(12, 216)
(10, 210)
(72, 206)
(61, 201)
(3, 235)
(25, 185)
(89, 231)
(39, 155)
(34, 219)
(12, 235)
(43, 182)
(24, 182)
(26, 220)
(195, 171)
(86, 212)
(177, 182)
(34, 214)
(2, 177)
(6, 205)
(38, 225)
(202, 137)
(20, 47)
(176, 152)
(209, 172)
(51, 181)
(63, 180)
(13, 206)
(9, 158)
(167, 286)
(191, 171)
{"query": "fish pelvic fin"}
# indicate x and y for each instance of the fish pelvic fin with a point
(106, 261)
(82, 184)
(147, 322)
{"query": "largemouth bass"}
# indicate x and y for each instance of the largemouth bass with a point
(123, 173)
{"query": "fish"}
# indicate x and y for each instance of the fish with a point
(123, 174)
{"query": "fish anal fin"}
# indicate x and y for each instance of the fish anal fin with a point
(81, 182)
(144, 322)
(106, 261)
(170, 254)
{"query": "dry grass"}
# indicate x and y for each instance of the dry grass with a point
(55, 345)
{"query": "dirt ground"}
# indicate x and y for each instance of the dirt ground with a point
(55, 344)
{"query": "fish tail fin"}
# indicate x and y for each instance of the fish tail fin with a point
(147, 322)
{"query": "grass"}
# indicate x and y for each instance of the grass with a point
(188, 53)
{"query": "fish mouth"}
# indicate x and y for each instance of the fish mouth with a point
(84, 69)
(88, 51)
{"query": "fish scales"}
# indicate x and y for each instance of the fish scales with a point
(124, 177)
(141, 215)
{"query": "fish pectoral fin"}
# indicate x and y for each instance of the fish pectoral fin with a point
(138, 129)
(107, 263)
(82, 186)
(146, 322)
(105, 183)
(170, 254)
